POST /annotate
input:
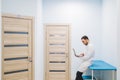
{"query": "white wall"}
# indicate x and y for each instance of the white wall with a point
(110, 33)
(95, 18)
(118, 35)
(30, 8)
(39, 44)
(84, 16)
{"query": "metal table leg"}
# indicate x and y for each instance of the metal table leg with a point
(92, 74)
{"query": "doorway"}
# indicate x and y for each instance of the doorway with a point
(57, 52)
(17, 47)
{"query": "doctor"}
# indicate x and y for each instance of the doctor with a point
(86, 57)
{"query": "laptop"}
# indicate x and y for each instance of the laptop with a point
(74, 51)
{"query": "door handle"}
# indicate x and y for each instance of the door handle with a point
(66, 54)
(29, 59)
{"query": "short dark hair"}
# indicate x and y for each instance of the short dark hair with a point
(84, 37)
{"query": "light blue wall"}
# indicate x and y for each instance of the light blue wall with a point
(84, 16)
(30, 8)
(22, 7)
(110, 34)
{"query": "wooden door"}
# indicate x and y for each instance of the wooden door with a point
(57, 52)
(17, 48)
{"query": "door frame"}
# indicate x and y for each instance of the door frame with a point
(32, 41)
(69, 45)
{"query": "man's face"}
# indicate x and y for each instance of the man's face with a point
(85, 41)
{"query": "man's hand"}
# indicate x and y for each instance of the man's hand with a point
(81, 55)
(76, 55)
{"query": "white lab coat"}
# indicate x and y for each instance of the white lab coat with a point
(87, 58)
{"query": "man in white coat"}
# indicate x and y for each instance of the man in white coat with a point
(86, 57)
